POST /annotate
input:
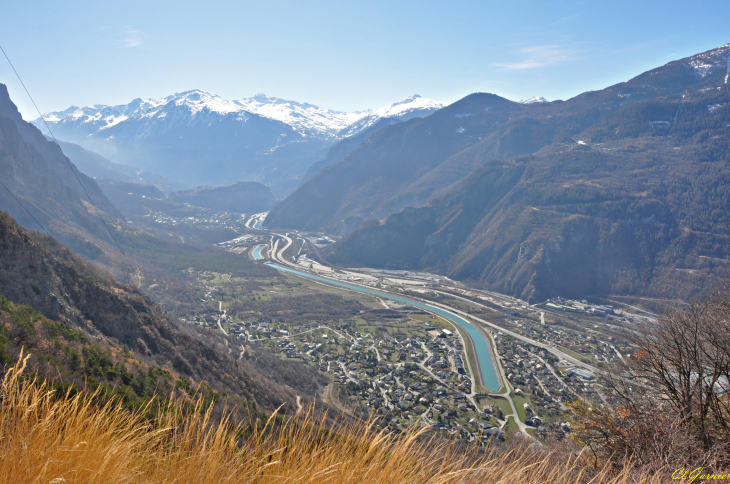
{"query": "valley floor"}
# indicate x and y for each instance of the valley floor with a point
(410, 355)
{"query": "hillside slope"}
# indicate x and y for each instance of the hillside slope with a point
(96, 166)
(635, 204)
(36, 172)
(345, 147)
(407, 163)
(360, 185)
(39, 272)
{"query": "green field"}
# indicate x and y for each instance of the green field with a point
(503, 405)
(519, 401)
(437, 321)
(511, 427)
(306, 282)
(575, 354)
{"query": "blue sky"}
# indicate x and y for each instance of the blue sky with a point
(342, 55)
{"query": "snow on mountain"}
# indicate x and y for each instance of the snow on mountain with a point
(410, 107)
(306, 119)
(196, 137)
(707, 62)
(534, 99)
(98, 117)
(405, 106)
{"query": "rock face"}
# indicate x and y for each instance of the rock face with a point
(241, 197)
(636, 203)
(408, 163)
(39, 175)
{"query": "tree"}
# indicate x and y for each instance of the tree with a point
(669, 404)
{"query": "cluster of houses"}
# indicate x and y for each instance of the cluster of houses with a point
(541, 377)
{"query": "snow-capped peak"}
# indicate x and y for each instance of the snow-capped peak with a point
(534, 99)
(197, 100)
(706, 62)
(406, 105)
(307, 119)
(303, 117)
(410, 107)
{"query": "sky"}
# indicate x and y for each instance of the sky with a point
(342, 55)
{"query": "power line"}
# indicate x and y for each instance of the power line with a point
(21, 204)
(98, 212)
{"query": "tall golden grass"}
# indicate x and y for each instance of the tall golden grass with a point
(46, 438)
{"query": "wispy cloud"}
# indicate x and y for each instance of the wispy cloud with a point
(668, 56)
(133, 38)
(540, 56)
(565, 20)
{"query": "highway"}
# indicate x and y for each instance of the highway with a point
(483, 353)
(495, 373)
(278, 257)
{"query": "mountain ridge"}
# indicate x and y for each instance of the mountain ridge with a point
(48, 185)
(305, 118)
(632, 204)
(198, 138)
(408, 163)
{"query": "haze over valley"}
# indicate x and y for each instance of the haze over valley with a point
(469, 288)
(195, 137)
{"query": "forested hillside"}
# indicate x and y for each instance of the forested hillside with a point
(241, 197)
(408, 163)
(637, 203)
(62, 294)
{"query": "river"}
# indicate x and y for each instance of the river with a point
(484, 357)
(257, 252)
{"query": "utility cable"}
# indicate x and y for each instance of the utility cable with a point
(98, 212)
(21, 204)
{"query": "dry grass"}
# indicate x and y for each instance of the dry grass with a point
(53, 439)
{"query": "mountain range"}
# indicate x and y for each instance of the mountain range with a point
(198, 138)
(617, 191)
(613, 191)
(81, 324)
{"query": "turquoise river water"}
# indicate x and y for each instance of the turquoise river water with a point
(484, 357)
(257, 252)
